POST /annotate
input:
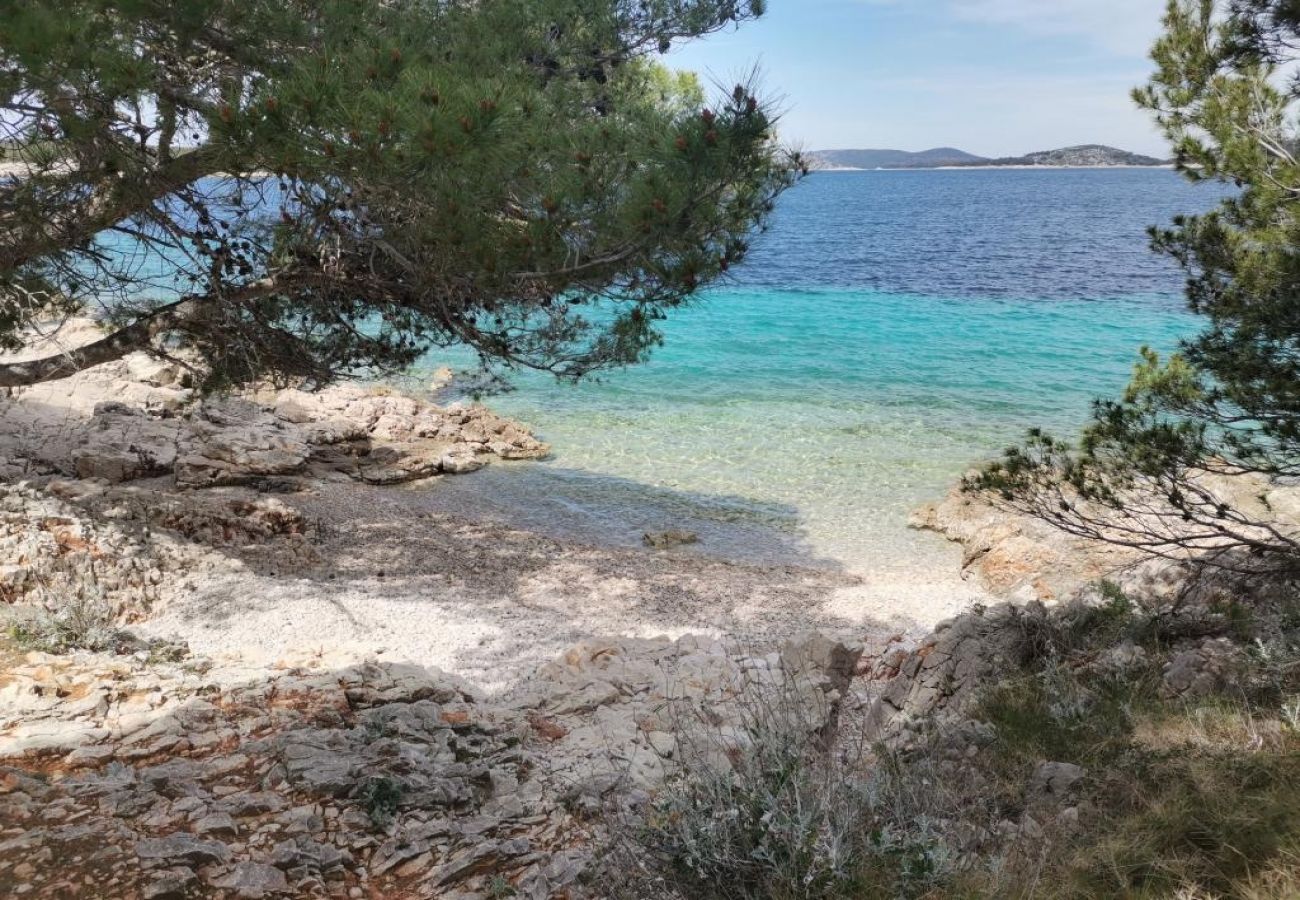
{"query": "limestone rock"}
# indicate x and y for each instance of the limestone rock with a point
(233, 442)
(962, 655)
(1122, 659)
(443, 376)
(1015, 556)
(460, 459)
(49, 541)
(1022, 558)
(123, 443)
(132, 419)
(1054, 781)
(172, 884)
(194, 776)
(177, 849)
(1202, 670)
(254, 880)
(395, 464)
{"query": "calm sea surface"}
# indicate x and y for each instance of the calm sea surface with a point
(891, 329)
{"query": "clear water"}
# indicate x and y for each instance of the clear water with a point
(891, 329)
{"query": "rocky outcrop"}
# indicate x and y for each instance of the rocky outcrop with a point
(125, 443)
(155, 780)
(235, 441)
(942, 674)
(375, 437)
(1024, 559)
(934, 684)
(137, 419)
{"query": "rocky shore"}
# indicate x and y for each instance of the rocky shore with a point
(244, 659)
(276, 700)
(137, 419)
(134, 777)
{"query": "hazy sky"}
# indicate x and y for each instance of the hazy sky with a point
(994, 77)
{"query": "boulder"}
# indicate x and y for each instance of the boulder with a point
(395, 464)
(172, 884)
(1054, 781)
(1202, 670)
(123, 443)
(254, 880)
(235, 442)
(181, 849)
(460, 459)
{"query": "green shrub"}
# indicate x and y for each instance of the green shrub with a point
(80, 622)
(381, 797)
(770, 813)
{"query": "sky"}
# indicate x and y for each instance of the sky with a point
(993, 77)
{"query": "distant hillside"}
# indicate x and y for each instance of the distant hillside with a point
(894, 159)
(1083, 155)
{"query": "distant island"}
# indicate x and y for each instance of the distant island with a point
(1084, 155)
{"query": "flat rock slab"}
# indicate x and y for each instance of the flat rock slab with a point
(391, 778)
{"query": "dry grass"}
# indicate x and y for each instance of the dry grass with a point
(766, 810)
(80, 620)
(1182, 798)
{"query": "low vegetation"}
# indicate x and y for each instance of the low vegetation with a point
(768, 810)
(74, 616)
(80, 620)
(1090, 773)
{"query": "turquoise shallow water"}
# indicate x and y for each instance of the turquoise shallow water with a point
(826, 416)
(892, 329)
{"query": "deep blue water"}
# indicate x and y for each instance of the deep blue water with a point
(1011, 234)
(891, 329)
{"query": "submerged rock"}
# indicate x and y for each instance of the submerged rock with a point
(673, 537)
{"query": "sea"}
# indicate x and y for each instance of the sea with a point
(890, 330)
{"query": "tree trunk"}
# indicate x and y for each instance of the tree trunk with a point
(140, 334)
(136, 336)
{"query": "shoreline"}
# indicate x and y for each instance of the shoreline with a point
(407, 567)
(986, 167)
(291, 642)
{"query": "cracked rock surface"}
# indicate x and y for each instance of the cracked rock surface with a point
(125, 778)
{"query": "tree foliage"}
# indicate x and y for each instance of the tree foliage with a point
(1158, 468)
(303, 188)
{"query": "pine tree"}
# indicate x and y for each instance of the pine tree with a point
(1156, 469)
(300, 189)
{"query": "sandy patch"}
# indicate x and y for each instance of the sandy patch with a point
(491, 602)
